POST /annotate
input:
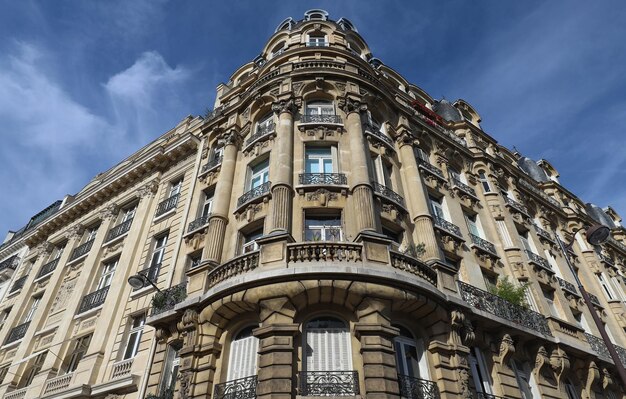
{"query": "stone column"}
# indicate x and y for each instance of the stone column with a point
(417, 199)
(362, 200)
(281, 167)
(214, 240)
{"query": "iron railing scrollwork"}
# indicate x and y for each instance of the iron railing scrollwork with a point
(167, 205)
(463, 187)
(93, 300)
(447, 226)
(48, 268)
(329, 383)
(433, 170)
(18, 284)
(10, 263)
(544, 233)
(567, 286)
(388, 193)
(533, 257)
(500, 307)
(598, 345)
(17, 332)
(199, 222)
(540, 193)
(516, 205)
(256, 192)
(335, 119)
(417, 388)
(331, 179)
(211, 164)
(118, 230)
(242, 388)
(81, 250)
(167, 299)
(483, 244)
(261, 131)
(374, 130)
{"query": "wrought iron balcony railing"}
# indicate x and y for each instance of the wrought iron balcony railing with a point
(261, 131)
(334, 119)
(242, 388)
(567, 286)
(447, 226)
(93, 300)
(198, 223)
(329, 383)
(81, 250)
(388, 193)
(538, 260)
(483, 395)
(17, 332)
(483, 244)
(119, 230)
(516, 205)
(497, 306)
(374, 130)
(167, 205)
(605, 259)
(598, 346)
(529, 186)
(167, 299)
(48, 268)
(331, 179)
(256, 192)
(544, 233)
(463, 187)
(18, 284)
(433, 170)
(211, 164)
(10, 263)
(417, 388)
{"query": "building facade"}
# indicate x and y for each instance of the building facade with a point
(329, 229)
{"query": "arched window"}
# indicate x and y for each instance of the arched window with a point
(484, 181)
(410, 355)
(277, 50)
(316, 14)
(243, 355)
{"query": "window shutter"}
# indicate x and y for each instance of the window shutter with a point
(329, 349)
(243, 358)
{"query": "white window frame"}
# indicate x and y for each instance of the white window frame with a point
(484, 181)
(129, 213)
(170, 370)
(259, 172)
(137, 323)
(383, 171)
(313, 40)
(554, 311)
(106, 276)
(157, 255)
(309, 155)
(207, 204)
(176, 187)
(402, 346)
(325, 230)
(606, 286)
(242, 359)
(91, 233)
(474, 226)
(320, 107)
(478, 369)
(81, 345)
(265, 121)
(36, 300)
(421, 155)
(438, 208)
(327, 348)
(525, 380)
(249, 241)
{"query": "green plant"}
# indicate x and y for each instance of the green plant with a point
(415, 250)
(507, 290)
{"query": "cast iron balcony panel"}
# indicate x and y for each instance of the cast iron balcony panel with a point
(327, 179)
(497, 306)
(93, 300)
(463, 187)
(329, 383)
(417, 388)
(17, 333)
(198, 223)
(10, 263)
(211, 164)
(118, 230)
(48, 268)
(483, 244)
(567, 286)
(261, 131)
(18, 284)
(81, 250)
(516, 205)
(167, 299)
(544, 233)
(388, 193)
(167, 205)
(621, 353)
(332, 119)
(534, 258)
(598, 346)
(433, 170)
(447, 226)
(255, 193)
(374, 130)
(242, 388)
(606, 259)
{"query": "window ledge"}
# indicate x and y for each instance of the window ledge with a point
(88, 312)
(141, 292)
(164, 215)
(11, 345)
(116, 239)
(74, 261)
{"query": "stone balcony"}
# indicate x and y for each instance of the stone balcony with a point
(57, 384)
(8, 266)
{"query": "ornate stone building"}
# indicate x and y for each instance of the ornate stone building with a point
(329, 229)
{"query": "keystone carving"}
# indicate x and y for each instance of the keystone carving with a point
(541, 361)
(559, 361)
(507, 349)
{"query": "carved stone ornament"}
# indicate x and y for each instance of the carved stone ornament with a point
(392, 211)
(464, 380)
(75, 232)
(559, 361)
(249, 213)
(321, 132)
(184, 379)
(349, 105)
(607, 379)
(593, 375)
(109, 211)
(162, 334)
(296, 86)
(149, 189)
(44, 249)
(406, 138)
(456, 324)
(507, 349)
(230, 137)
(288, 105)
(190, 319)
(321, 196)
(541, 361)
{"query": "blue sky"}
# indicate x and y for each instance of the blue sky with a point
(85, 84)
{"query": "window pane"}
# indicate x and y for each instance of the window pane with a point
(312, 166)
(328, 166)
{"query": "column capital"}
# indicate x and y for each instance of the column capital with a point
(230, 137)
(350, 104)
(289, 105)
(406, 138)
(109, 211)
(149, 189)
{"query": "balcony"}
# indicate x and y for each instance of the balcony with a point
(168, 299)
(414, 266)
(430, 169)
(598, 346)
(329, 383)
(57, 384)
(48, 268)
(324, 251)
(119, 230)
(17, 333)
(538, 260)
(493, 304)
(212, 164)
(516, 205)
(482, 395)
(121, 369)
(540, 193)
(483, 244)
(544, 234)
(417, 388)
(81, 250)
(242, 388)
(464, 188)
(443, 224)
(167, 205)
(17, 394)
(93, 300)
(373, 130)
(567, 286)
(255, 193)
(198, 223)
(261, 132)
(322, 119)
(324, 179)
(18, 284)
(239, 265)
(8, 266)
(606, 259)
(388, 193)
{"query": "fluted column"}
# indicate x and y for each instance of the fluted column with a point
(281, 167)
(214, 240)
(362, 200)
(417, 199)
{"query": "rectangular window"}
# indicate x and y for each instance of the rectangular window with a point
(57, 252)
(395, 236)
(156, 258)
(91, 233)
(382, 170)
(176, 187)
(134, 336)
(436, 207)
(523, 236)
(4, 315)
(478, 369)
(195, 260)
(207, 204)
(319, 160)
(421, 155)
(78, 351)
(266, 124)
(473, 225)
(571, 390)
(249, 240)
(170, 371)
(128, 213)
(108, 270)
(549, 297)
(323, 228)
(484, 182)
(32, 370)
(490, 282)
(320, 108)
(606, 286)
(3, 372)
(259, 174)
(317, 41)
(33, 308)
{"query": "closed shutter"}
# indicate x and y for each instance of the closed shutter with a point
(243, 358)
(328, 349)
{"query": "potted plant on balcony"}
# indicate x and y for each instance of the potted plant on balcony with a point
(510, 292)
